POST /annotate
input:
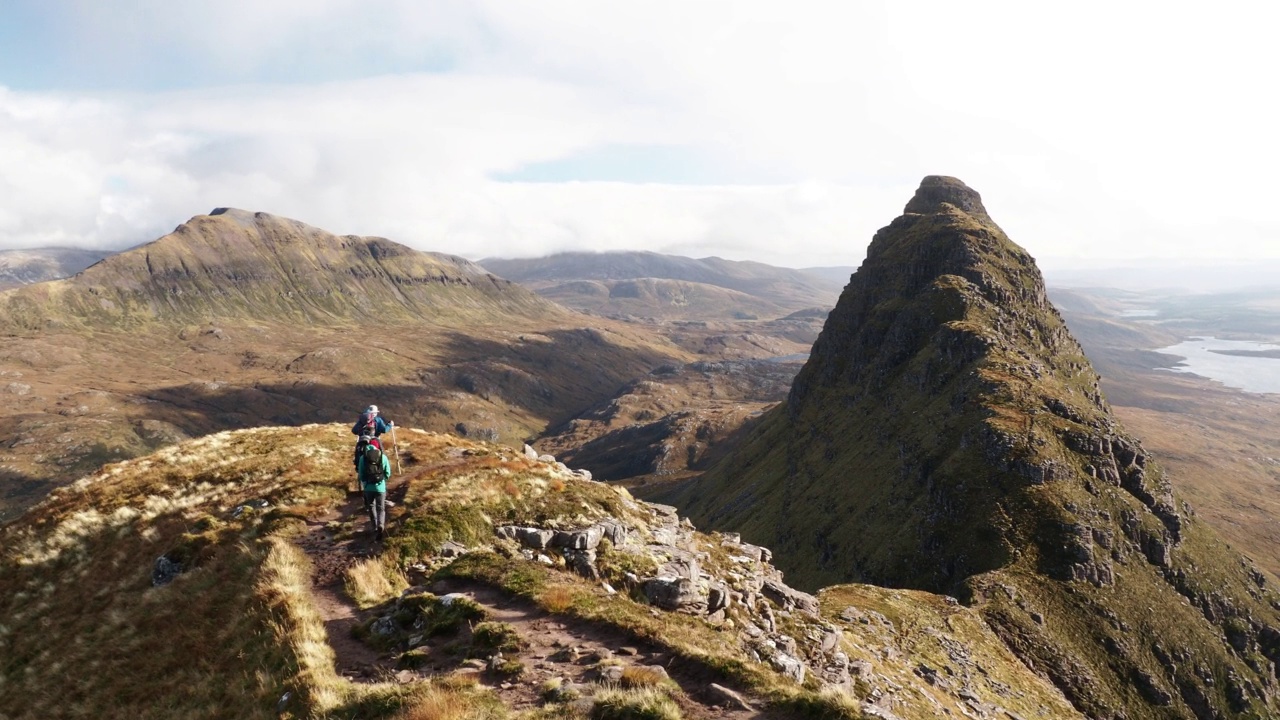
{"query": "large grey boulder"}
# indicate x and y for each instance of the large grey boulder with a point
(675, 593)
(585, 539)
(789, 598)
(530, 537)
(788, 666)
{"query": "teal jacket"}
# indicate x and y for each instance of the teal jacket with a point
(371, 479)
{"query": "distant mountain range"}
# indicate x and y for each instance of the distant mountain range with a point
(23, 267)
(668, 286)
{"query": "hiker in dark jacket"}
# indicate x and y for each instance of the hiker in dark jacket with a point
(371, 423)
(374, 468)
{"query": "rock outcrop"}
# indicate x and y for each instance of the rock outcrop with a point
(716, 577)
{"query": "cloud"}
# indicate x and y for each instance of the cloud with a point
(1104, 132)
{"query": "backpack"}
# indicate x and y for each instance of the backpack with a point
(373, 473)
(365, 441)
(368, 423)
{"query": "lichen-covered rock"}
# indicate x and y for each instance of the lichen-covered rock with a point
(674, 593)
(790, 598)
(584, 539)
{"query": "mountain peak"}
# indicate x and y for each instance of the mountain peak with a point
(938, 190)
(948, 434)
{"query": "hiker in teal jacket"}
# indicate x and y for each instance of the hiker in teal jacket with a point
(374, 468)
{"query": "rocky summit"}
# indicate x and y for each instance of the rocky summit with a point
(948, 434)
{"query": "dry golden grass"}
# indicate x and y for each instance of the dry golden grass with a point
(286, 581)
(372, 581)
(451, 702)
(227, 638)
(635, 704)
(635, 676)
(557, 598)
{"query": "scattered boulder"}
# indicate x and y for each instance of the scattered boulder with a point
(725, 697)
(788, 666)
(164, 571)
(452, 549)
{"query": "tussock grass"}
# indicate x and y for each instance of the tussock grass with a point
(372, 581)
(495, 637)
(286, 577)
(451, 701)
(557, 598)
(635, 704)
(635, 676)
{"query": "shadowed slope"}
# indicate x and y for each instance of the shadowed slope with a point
(948, 434)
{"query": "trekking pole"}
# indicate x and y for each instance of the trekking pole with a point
(396, 445)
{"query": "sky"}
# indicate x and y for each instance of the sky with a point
(784, 132)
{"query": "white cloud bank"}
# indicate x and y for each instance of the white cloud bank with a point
(1093, 132)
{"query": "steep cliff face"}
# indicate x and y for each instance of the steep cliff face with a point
(233, 263)
(948, 434)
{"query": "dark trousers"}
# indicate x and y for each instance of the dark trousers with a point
(376, 504)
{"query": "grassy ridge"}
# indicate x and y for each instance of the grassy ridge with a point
(239, 627)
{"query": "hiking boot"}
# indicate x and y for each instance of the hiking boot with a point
(377, 534)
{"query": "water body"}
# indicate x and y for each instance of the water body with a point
(1249, 366)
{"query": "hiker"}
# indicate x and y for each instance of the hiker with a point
(368, 427)
(371, 423)
(373, 468)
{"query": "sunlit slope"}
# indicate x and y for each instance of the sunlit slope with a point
(86, 631)
(948, 434)
(238, 264)
(241, 319)
(655, 285)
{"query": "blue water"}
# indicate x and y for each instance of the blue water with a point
(1251, 374)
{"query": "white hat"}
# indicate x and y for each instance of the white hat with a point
(372, 409)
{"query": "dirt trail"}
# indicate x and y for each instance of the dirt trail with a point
(570, 649)
(333, 548)
(553, 646)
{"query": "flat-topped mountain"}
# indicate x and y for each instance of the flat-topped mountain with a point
(948, 434)
(237, 264)
(668, 286)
